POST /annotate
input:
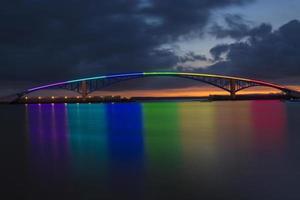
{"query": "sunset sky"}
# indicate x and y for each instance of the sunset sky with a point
(54, 40)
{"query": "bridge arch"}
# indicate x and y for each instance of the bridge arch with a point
(85, 86)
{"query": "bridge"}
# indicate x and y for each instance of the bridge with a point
(230, 84)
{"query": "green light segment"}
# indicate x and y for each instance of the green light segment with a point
(162, 135)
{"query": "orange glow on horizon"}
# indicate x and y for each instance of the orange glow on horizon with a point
(193, 91)
(190, 92)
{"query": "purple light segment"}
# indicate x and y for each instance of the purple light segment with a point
(47, 86)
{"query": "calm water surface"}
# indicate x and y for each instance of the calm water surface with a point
(189, 150)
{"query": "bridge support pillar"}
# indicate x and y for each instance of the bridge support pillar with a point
(232, 89)
(84, 89)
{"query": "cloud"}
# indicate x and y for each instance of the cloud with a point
(218, 51)
(59, 39)
(237, 28)
(192, 57)
(261, 54)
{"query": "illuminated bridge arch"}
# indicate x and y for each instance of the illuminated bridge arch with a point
(88, 85)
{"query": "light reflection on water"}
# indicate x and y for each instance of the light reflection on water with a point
(246, 149)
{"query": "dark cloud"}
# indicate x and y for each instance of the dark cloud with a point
(237, 28)
(271, 55)
(218, 51)
(59, 39)
(191, 57)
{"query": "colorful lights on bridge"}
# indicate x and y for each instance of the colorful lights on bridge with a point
(211, 76)
(148, 74)
(85, 79)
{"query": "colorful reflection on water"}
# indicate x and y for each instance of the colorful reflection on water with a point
(161, 150)
(48, 143)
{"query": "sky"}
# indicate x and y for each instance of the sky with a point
(53, 40)
(261, 11)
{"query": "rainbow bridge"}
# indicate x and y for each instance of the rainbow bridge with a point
(230, 84)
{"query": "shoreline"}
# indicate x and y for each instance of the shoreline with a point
(154, 99)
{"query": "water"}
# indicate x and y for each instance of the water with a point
(189, 150)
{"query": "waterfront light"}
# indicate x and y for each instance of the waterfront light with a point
(78, 97)
(66, 97)
(26, 98)
(52, 97)
(39, 97)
